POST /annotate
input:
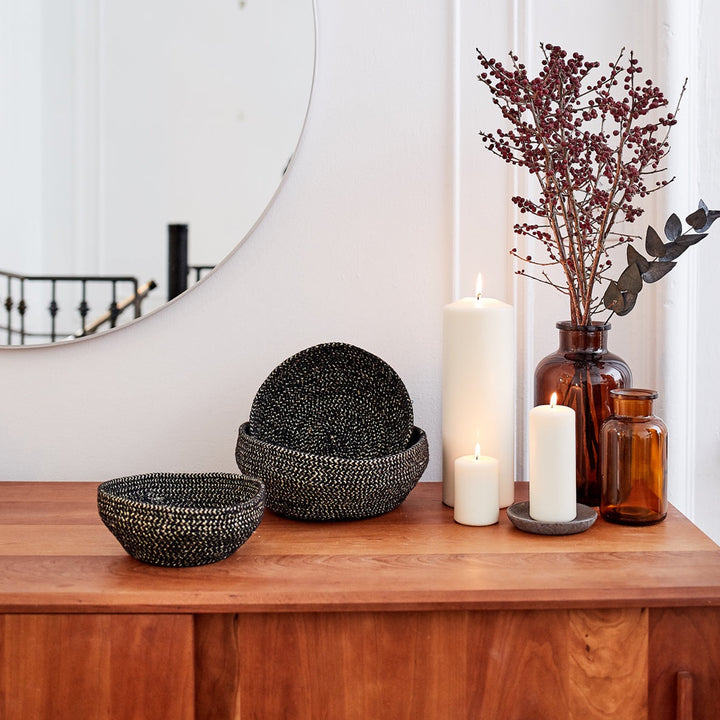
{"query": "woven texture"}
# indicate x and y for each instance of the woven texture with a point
(316, 487)
(335, 400)
(181, 520)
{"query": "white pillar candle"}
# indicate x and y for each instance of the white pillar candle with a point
(551, 467)
(476, 490)
(478, 387)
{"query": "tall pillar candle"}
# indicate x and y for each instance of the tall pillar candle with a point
(551, 462)
(478, 388)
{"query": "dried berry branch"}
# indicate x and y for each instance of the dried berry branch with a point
(593, 145)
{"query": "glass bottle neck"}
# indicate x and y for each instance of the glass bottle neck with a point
(633, 402)
(583, 338)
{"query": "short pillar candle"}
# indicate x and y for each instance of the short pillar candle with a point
(477, 500)
(551, 469)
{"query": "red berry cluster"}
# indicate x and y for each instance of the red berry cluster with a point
(594, 144)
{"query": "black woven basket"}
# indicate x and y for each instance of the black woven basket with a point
(318, 487)
(181, 520)
(334, 399)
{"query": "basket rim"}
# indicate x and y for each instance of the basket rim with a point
(105, 491)
(417, 438)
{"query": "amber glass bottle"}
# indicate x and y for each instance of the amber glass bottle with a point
(634, 460)
(582, 372)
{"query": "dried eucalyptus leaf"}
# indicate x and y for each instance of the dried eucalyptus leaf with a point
(653, 243)
(712, 216)
(613, 299)
(635, 258)
(673, 228)
(672, 252)
(657, 270)
(697, 219)
(630, 280)
(628, 303)
(688, 240)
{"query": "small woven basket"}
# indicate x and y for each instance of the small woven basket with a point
(334, 399)
(319, 487)
(181, 520)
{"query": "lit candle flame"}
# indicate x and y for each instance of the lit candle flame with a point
(478, 287)
(553, 400)
(477, 451)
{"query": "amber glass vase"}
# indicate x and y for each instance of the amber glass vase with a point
(582, 372)
(634, 460)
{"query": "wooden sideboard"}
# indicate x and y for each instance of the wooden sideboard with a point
(408, 615)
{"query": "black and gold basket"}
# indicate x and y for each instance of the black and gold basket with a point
(331, 435)
(322, 487)
(181, 520)
(334, 399)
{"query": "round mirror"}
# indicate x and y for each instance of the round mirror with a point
(140, 143)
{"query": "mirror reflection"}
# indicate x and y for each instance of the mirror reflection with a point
(127, 126)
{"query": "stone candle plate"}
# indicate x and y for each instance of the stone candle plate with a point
(519, 514)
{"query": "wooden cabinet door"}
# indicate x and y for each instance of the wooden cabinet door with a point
(687, 641)
(559, 664)
(96, 667)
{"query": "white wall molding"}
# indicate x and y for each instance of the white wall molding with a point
(676, 345)
(689, 339)
(457, 145)
(483, 185)
(87, 132)
(524, 293)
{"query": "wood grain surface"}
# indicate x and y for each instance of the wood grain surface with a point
(609, 663)
(95, 667)
(554, 664)
(55, 555)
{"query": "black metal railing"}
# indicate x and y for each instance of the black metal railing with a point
(180, 273)
(17, 303)
(198, 271)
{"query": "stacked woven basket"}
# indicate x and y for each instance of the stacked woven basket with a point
(332, 436)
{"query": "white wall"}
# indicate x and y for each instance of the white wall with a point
(388, 210)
